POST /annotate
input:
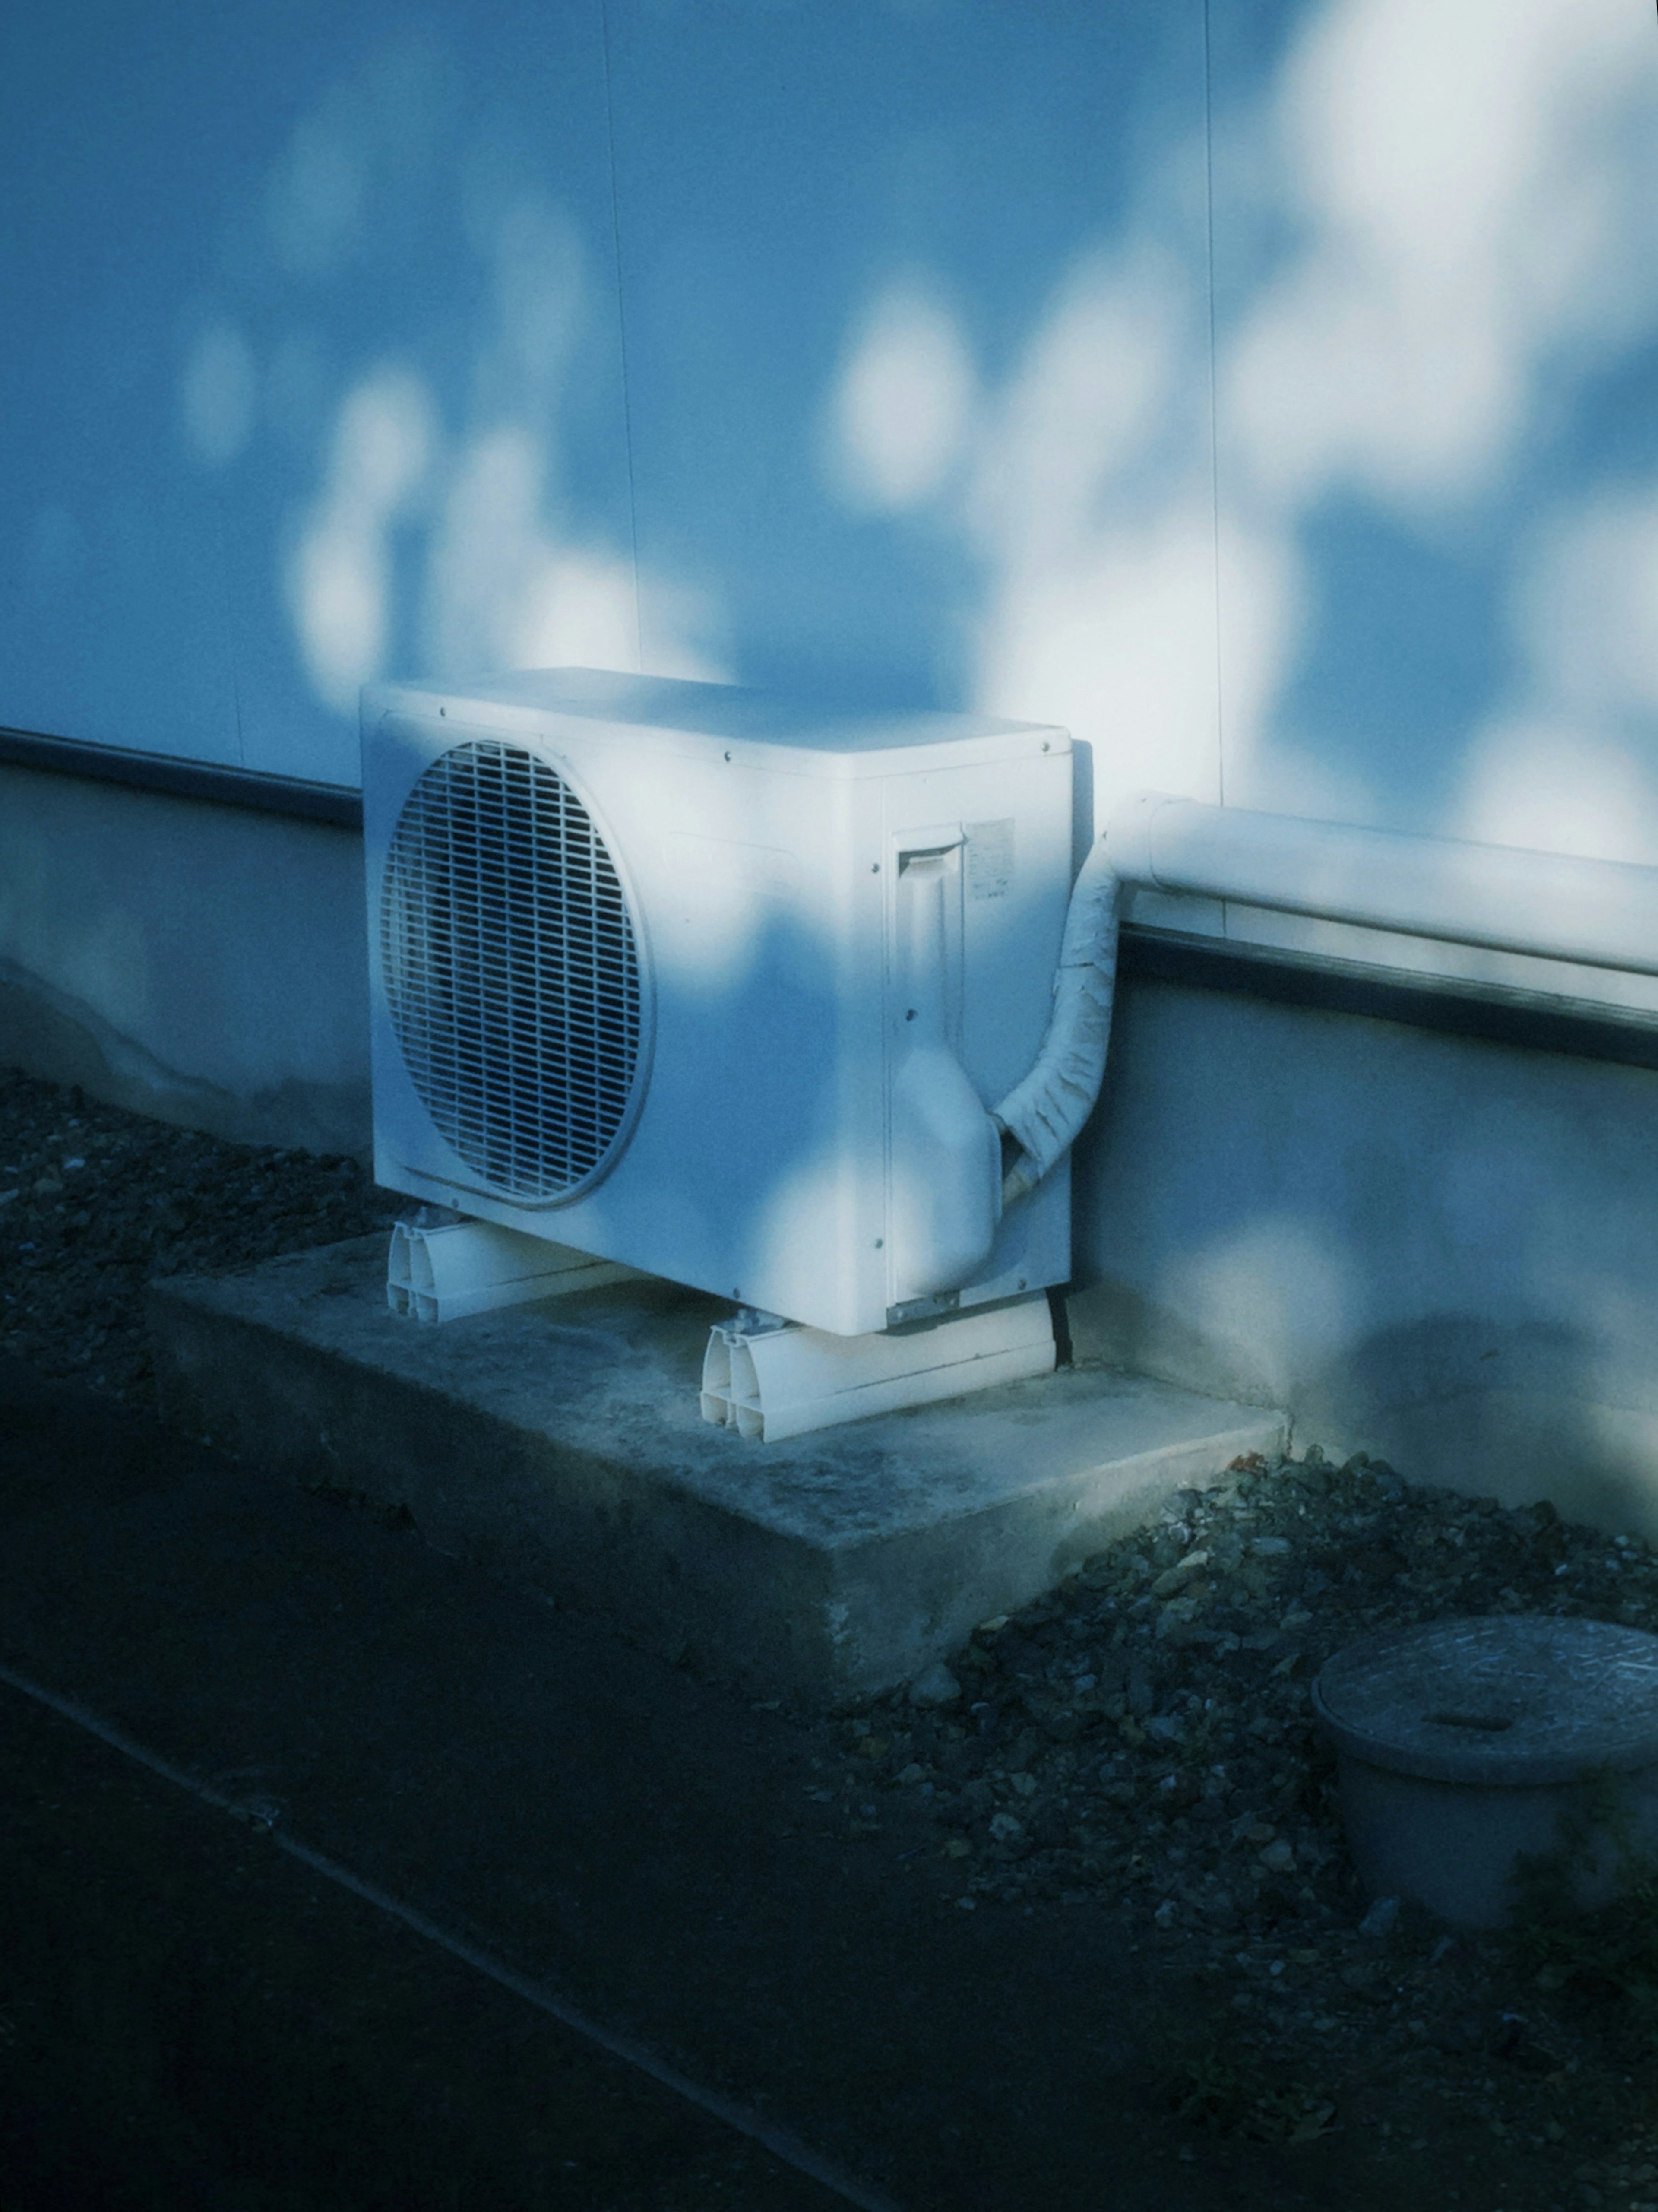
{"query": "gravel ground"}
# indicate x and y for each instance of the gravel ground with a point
(1139, 1743)
(94, 1201)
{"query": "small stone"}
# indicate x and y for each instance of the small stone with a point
(912, 1773)
(935, 1685)
(1176, 1577)
(1004, 1828)
(1381, 1919)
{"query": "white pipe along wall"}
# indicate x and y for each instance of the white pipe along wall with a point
(1601, 913)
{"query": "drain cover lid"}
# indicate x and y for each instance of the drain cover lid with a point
(1515, 1698)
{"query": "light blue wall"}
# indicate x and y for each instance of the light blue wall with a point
(1436, 392)
(326, 371)
(1266, 391)
(845, 230)
(861, 342)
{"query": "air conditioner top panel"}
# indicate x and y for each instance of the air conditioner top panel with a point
(813, 739)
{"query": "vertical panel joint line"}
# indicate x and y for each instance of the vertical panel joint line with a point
(622, 333)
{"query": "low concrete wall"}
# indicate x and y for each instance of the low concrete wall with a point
(1430, 1247)
(200, 962)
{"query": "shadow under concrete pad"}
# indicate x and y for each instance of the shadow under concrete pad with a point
(561, 1443)
(185, 2002)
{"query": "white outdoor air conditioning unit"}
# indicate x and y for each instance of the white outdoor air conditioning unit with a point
(716, 985)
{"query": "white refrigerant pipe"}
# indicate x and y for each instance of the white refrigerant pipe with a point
(1602, 914)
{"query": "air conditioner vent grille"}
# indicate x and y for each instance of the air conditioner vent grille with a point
(511, 969)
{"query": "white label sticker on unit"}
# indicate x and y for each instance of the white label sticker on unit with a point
(989, 858)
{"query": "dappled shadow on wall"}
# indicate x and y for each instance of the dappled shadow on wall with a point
(914, 397)
(1436, 239)
(408, 388)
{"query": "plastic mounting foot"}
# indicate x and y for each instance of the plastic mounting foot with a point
(769, 1382)
(473, 1266)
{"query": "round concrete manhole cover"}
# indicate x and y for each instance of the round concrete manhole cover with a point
(1515, 1699)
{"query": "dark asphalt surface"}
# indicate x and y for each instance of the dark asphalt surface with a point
(190, 2015)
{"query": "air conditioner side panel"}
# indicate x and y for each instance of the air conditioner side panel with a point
(1011, 888)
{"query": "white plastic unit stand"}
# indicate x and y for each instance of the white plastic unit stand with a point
(472, 1266)
(769, 1382)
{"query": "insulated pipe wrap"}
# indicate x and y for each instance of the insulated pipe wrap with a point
(1044, 1113)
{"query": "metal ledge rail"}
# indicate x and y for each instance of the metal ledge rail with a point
(1601, 913)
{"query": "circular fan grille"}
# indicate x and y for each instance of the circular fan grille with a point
(511, 969)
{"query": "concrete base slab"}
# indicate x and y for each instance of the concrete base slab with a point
(560, 1443)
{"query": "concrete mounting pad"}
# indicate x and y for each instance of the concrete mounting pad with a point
(560, 1443)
